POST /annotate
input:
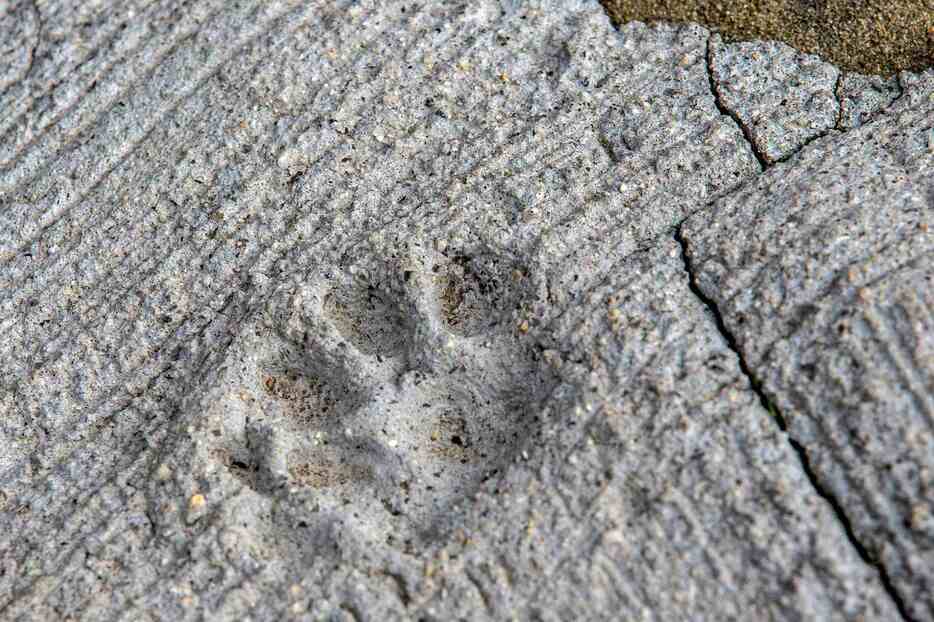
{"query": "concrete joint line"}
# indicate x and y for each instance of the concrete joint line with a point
(799, 449)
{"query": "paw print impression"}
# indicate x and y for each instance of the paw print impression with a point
(471, 292)
(376, 395)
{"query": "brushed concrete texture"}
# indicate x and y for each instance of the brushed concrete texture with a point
(344, 310)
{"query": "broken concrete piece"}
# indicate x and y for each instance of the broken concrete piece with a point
(781, 97)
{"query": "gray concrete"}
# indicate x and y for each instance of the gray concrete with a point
(385, 311)
(862, 97)
(782, 98)
(834, 318)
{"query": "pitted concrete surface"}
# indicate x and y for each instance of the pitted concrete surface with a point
(465, 311)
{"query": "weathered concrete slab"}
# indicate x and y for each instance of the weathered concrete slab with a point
(377, 311)
(822, 271)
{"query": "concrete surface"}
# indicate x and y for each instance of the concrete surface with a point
(834, 319)
(476, 311)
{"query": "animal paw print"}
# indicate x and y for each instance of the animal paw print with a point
(375, 395)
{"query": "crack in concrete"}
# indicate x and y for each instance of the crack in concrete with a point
(802, 453)
(755, 383)
(36, 40)
(764, 162)
(804, 144)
